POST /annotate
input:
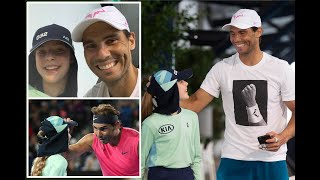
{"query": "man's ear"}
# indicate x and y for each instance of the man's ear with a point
(259, 32)
(117, 124)
(132, 41)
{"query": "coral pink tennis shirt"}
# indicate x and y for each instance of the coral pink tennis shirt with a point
(120, 160)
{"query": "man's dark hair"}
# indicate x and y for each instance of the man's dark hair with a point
(126, 33)
(254, 29)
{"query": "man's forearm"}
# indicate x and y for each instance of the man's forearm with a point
(289, 131)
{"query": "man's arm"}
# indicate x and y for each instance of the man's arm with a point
(289, 132)
(82, 146)
(197, 101)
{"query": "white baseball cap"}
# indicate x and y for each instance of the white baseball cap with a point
(107, 14)
(244, 19)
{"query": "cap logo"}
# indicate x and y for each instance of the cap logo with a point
(92, 15)
(41, 35)
(66, 38)
(237, 16)
(175, 72)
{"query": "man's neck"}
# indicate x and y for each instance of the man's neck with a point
(116, 140)
(251, 58)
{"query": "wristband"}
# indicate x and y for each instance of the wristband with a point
(254, 115)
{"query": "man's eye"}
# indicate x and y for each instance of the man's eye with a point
(89, 46)
(111, 41)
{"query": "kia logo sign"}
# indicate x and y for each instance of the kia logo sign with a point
(165, 129)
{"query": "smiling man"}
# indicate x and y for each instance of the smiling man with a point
(116, 147)
(107, 43)
(256, 88)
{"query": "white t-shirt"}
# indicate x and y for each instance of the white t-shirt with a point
(289, 114)
(101, 89)
(274, 81)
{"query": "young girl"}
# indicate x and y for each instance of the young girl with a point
(53, 66)
(53, 138)
(170, 138)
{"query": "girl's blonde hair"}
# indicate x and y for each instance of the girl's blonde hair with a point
(39, 162)
(38, 165)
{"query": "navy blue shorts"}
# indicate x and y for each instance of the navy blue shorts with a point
(230, 169)
(162, 173)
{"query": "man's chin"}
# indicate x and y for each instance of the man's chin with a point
(111, 80)
(104, 141)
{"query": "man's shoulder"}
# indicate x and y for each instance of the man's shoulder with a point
(87, 139)
(93, 92)
(230, 59)
(275, 60)
(130, 135)
(131, 132)
(226, 61)
(89, 136)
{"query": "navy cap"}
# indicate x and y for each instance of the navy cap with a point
(56, 136)
(164, 89)
(49, 33)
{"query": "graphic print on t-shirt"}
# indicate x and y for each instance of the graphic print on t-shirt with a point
(250, 102)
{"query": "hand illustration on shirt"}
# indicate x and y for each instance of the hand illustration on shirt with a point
(249, 96)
